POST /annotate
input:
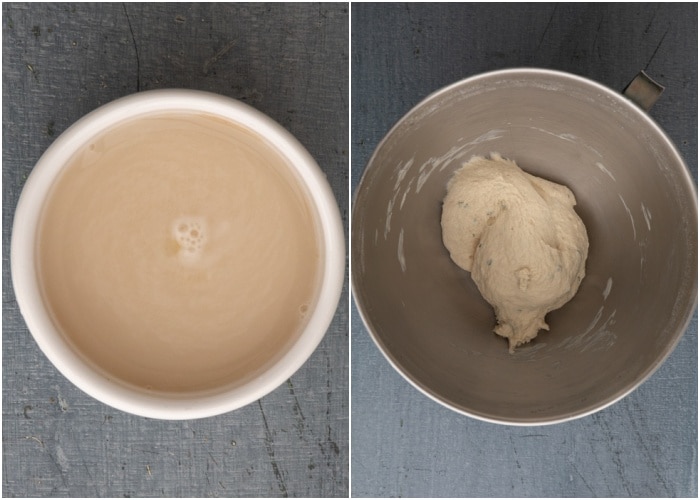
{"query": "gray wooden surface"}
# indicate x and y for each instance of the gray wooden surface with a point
(403, 444)
(60, 61)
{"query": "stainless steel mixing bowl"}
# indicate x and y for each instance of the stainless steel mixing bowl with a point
(635, 196)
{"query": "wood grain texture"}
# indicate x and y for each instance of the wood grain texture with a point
(61, 61)
(403, 444)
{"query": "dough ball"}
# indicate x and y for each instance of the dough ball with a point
(520, 238)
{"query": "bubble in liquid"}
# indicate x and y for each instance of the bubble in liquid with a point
(190, 234)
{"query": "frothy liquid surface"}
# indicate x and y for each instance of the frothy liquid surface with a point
(178, 253)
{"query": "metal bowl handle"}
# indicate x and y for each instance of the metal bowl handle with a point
(643, 91)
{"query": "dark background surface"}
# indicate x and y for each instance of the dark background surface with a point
(61, 61)
(404, 444)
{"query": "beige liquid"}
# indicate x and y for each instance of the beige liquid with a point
(178, 253)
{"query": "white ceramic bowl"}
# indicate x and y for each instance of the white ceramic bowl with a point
(50, 339)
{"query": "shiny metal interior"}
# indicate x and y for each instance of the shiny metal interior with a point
(635, 196)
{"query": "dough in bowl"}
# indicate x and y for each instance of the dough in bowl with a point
(520, 238)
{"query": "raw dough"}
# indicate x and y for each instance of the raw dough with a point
(519, 237)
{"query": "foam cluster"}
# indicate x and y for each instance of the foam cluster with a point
(190, 234)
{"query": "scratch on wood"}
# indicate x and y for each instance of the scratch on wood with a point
(546, 28)
(32, 71)
(583, 479)
(62, 403)
(271, 454)
(60, 460)
(517, 460)
(301, 420)
(641, 437)
(217, 56)
(653, 16)
(656, 50)
(34, 438)
(597, 32)
(615, 451)
(136, 49)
